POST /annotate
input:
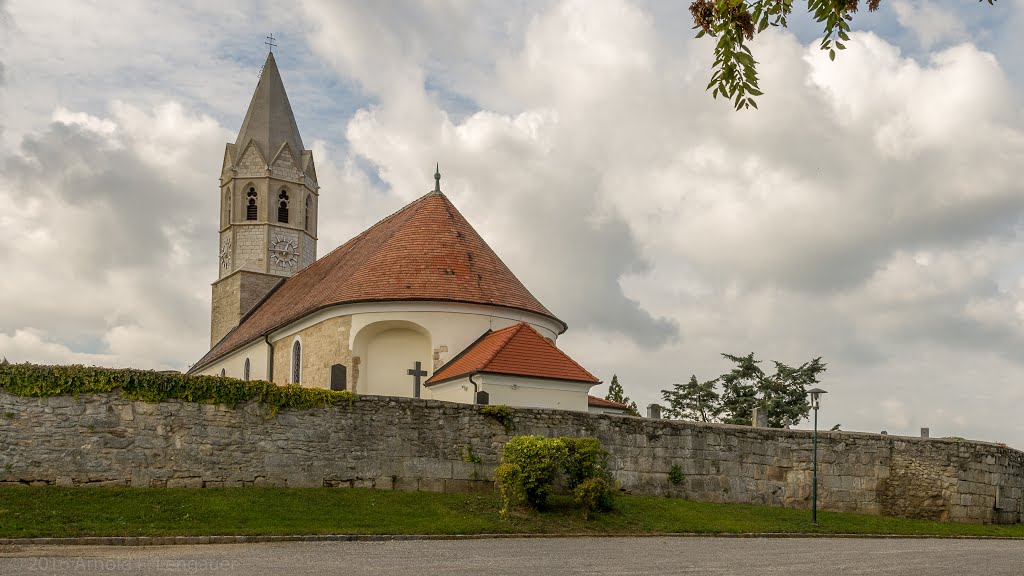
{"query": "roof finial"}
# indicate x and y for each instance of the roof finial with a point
(437, 178)
(270, 41)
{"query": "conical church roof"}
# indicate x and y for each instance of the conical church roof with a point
(425, 251)
(269, 120)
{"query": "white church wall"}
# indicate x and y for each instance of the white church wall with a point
(452, 327)
(516, 391)
(535, 392)
(234, 364)
(458, 390)
(447, 327)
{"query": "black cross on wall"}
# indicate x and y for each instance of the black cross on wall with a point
(417, 373)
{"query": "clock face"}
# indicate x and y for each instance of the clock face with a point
(225, 253)
(284, 252)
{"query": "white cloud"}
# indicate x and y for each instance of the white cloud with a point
(105, 213)
(869, 213)
(932, 24)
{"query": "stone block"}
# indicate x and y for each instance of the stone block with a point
(430, 484)
(190, 482)
(405, 484)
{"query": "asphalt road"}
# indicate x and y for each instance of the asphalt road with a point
(556, 557)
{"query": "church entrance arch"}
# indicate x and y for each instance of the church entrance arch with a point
(394, 356)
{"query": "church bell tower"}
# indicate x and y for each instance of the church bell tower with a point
(268, 205)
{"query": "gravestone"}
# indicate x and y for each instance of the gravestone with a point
(654, 412)
(924, 432)
(760, 418)
(483, 398)
(339, 377)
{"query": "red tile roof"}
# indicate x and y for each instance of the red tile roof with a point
(517, 351)
(425, 251)
(602, 403)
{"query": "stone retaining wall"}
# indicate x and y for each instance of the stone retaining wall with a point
(409, 444)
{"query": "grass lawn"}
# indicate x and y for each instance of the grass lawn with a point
(62, 512)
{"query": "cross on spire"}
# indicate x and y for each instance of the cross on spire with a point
(437, 178)
(270, 41)
(417, 373)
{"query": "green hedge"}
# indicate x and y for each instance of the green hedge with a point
(148, 386)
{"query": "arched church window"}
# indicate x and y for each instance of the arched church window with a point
(296, 362)
(309, 206)
(245, 370)
(250, 205)
(282, 207)
(227, 206)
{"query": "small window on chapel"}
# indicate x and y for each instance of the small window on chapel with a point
(282, 207)
(250, 205)
(223, 372)
(297, 362)
(245, 370)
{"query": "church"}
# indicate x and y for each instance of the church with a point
(418, 305)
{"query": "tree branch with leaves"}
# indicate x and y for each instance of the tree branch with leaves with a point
(735, 23)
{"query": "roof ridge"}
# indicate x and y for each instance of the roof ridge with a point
(514, 329)
(567, 357)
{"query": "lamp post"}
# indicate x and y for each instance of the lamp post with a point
(815, 402)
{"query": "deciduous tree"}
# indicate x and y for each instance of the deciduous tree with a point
(735, 23)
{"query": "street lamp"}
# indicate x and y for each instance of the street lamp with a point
(815, 402)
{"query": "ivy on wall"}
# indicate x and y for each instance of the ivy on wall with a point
(148, 386)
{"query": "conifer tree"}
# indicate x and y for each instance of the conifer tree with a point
(697, 401)
(617, 394)
(783, 395)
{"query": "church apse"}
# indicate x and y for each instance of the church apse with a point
(394, 356)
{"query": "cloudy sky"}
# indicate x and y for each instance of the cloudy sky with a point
(869, 213)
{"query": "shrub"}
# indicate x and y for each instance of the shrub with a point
(675, 475)
(148, 386)
(531, 465)
(594, 494)
(584, 459)
(538, 461)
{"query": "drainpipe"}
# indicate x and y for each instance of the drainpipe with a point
(476, 389)
(270, 358)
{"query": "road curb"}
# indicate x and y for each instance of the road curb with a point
(197, 540)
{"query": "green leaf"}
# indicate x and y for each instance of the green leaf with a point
(832, 55)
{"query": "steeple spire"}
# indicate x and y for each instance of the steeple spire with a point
(437, 178)
(269, 120)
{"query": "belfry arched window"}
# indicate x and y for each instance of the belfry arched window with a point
(245, 370)
(296, 362)
(227, 206)
(282, 207)
(251, 210)
(309, 206)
